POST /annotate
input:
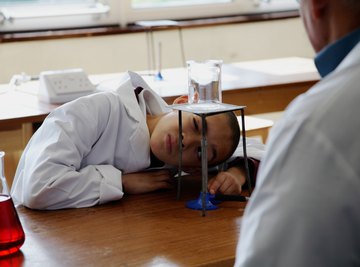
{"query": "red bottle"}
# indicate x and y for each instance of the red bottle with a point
(11, 232)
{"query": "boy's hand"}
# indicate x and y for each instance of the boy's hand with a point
(181, 99)
(227, 182)
(143, 182)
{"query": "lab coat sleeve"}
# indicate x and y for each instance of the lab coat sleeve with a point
(51, 174)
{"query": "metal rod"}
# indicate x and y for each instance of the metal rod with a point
(180, 157)
(247, 172)
(159, 58)
(158, 75)
(153, 67)
(204, 164)
(183, 58)
(148, 47)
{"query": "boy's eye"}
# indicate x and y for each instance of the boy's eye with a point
(199, 152)
(196, 124)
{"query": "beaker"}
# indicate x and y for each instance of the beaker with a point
(11, 232)
(204, 82)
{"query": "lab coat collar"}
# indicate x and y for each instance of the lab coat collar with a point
(147, 100)
(150, 102)
(126, 92)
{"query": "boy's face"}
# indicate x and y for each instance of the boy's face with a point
(164, 139)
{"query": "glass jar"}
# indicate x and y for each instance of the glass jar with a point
(204, 82)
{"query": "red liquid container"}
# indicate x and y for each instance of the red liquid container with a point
(11, 232)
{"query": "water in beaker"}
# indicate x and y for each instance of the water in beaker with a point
(204, 83)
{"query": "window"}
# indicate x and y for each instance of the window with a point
(164, 3)
(23, 15)
(185, 9)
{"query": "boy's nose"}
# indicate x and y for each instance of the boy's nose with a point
(190, 140)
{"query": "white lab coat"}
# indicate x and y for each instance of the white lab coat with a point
(77, 157)
(305, 209)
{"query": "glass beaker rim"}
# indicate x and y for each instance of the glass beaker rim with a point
(208, 61)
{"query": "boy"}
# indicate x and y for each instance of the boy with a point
(92, 150)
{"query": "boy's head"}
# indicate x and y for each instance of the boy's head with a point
(222, 134)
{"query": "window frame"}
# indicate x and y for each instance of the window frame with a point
(236, 7)
(13, 19)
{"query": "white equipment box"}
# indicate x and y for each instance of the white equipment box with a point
(57, 87)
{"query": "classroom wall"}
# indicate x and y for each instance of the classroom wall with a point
(117, 53)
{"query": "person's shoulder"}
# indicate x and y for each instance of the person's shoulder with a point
(101, 102)
(98, 97)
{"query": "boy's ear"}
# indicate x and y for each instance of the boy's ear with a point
(181, 99)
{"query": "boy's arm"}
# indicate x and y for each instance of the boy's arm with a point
(239, 163)
(233, 178)
(147, 181)
(255, 150)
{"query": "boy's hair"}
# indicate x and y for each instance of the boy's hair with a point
(235, 135)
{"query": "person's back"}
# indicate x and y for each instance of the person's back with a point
(304, 210)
